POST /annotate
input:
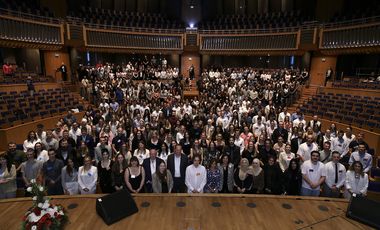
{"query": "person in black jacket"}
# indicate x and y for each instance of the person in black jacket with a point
(178, 176)
(296, 142)
(65, 151)
(273, 176)
(292, 179)
(267, 152)
(279, 132)
(233, 152)
(153, 162)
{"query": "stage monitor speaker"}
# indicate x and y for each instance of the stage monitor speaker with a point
(365, 211)
(116, 206)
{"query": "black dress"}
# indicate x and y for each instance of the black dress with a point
(164, 186)
(118, 179)
(135, 181)
(105, 178)
(292, 181)
(246, 183)
(273, 176)
(225, 180)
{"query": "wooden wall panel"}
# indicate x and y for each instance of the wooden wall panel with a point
(53, 60)
(186, 63)
(319, 66)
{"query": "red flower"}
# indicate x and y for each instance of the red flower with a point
(48, 223)
(37, 211)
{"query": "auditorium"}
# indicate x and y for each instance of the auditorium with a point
(189, 114)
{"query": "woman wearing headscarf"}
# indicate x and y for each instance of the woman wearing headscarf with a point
(292, 179)
(243, 178)
(258, 177)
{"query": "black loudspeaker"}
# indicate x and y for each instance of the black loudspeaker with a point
(365, 211)
(116, 206)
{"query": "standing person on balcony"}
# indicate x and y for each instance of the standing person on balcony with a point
(63, 70)
(329, 75)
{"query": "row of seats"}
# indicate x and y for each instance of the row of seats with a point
(126, 19)
(21, 107)
(288, 41)
(131, 40)
(30, 7)
(255, 21)
(359, 85)
(369, 9)
(20, 77)
(360, 111)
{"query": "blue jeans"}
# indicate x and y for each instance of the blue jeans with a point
(309, 192)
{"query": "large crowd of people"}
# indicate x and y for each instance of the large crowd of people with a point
(237, 137)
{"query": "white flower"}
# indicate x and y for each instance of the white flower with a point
(40, 205)
(29, 189)
(34, 227)
(45, 205)
(33, 181)
(41, 189)
(35, 198)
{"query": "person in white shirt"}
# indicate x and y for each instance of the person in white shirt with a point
(283, 114)
(356, 181)
(313, 175)
(87, 177)
(339, 144)
(141, 152)
(305, 149)
(196, 176)
(285, 157)
(335, 176)
(258, 127)
(299, 120)
(362, 156)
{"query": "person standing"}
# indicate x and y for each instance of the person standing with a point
(134, 176)
(292, 179)
(52, 170)
(313, 175)
(151, 165)
(162, 180)
(356, 181)
(305, 149)
(177, 164)
(8, 185)
(213, 184)
(30, 169)
(226, 169)
(196, 176)
(87, 177)
(362, 156)
(335, 176)
(63, 70)
(105, 171)
(70, 178)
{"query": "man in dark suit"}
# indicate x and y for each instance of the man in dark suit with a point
(63, 70)
(167, 110)
(233, 151)
(177, 164)
(89, 140)
(151, 165)
(296, 142)
(65, 151)
(280, 132)
(315, 124)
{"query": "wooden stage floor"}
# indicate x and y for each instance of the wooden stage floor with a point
(200, 212)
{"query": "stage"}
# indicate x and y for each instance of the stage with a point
(196, 212)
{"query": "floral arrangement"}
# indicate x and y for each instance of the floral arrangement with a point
(43, 215)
